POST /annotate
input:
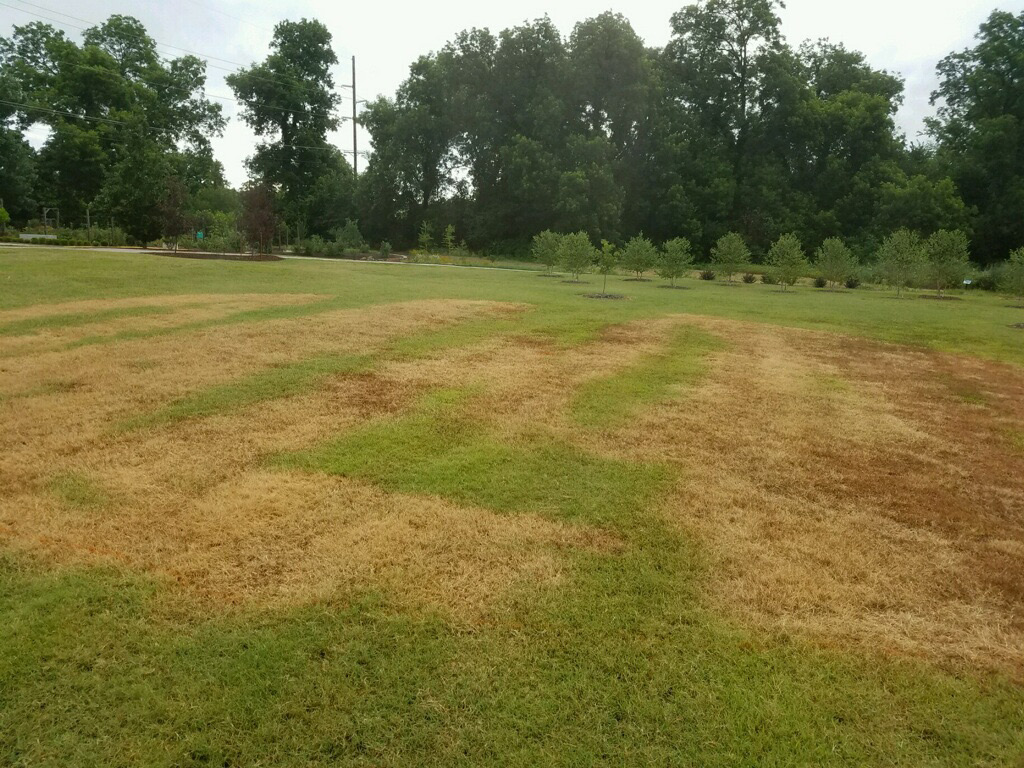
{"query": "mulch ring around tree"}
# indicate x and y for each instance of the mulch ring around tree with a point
(576, 282)
(636, 280)
(547, 274)
(941, 298)
(612, 296)
(675, 287)
(223, 256)
(1018, 326)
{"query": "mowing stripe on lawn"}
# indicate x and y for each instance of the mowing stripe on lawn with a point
(611, 400)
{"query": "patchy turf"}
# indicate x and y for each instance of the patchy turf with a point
(608, 401)
(439, 452)
(381, 515)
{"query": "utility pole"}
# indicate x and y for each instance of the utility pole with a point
(355, 125)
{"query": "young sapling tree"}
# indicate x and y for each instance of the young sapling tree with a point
(787, 260)
(675, 261)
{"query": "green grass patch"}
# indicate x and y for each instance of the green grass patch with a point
(78, 490)
(1016, 437)
(271, 384)
(33, 325)
(437, 451)
(609, 401)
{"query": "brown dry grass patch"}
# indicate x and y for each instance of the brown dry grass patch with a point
(190, 501)
(848, 493)
(185, 309)
(856, 493)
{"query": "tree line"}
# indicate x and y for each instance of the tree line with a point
(726, 130)
(904, 259)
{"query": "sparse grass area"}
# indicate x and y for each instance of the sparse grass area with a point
(377, 528)
(79, 491)
(283, 381)
(608, 401)
(31, 325)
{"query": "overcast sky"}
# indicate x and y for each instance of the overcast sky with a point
(904, 36)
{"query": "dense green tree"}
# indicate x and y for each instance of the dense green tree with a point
(174, 206)
(639, 256)
(17, 175)
(730, 254)
(258, 220)
(834, 261)
(545, 249)
(290, 102)
(901, 259)
(98, 100)
(787, 260)
(576, 254)
(675, 260)
(980, 130)
(948, 256)
(134, 205)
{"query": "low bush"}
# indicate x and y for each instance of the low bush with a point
(708, 274)
(820, 282)
(769, 279)
(749, 278)
(852, 282)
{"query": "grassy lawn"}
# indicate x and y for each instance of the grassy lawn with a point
(432, 516)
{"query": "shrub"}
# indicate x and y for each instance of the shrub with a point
(820, 282)
(769, 279)
(708, 274)
(349, 238)
(852, 282)
(749, 278)
(385, 249)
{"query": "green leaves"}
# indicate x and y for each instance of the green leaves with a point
(639, 255)
(730, 254)
(948, 259)
(676, 259)
(787, 260)
(901, 258)
(576, 253)
(835, 262)
(545, 249)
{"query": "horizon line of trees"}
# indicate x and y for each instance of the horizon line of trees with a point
(726, 129)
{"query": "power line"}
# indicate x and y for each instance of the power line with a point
(155, 129)
(277, 80)
(183, 89)
(230, 16)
